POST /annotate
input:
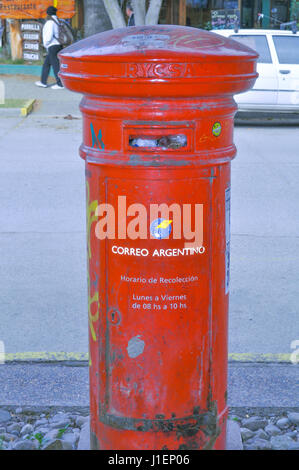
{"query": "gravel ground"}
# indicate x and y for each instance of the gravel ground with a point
(30, 429)
(269, 431)
(47, 429)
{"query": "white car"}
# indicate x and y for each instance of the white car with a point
(277, 87)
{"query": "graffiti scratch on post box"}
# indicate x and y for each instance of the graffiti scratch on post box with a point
(97, 140)
(92, 299)
(91, 217)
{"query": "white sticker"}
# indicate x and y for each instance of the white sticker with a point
(145, 41)
(135, 346)
(227, 238)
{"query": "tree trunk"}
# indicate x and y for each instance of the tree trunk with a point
(16, 45)
(139, 12)
(182, 13)
(153, 12)
(115, 14)
(141, 17)
(96, 18)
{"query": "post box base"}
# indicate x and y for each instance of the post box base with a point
(188, 438)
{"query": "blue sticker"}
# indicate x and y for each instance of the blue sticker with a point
(161, 228)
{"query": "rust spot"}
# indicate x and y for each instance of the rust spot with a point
(188, 427)
(191, 445)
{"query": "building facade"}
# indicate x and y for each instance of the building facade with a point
(224, 13)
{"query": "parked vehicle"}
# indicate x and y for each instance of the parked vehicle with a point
(277, 87)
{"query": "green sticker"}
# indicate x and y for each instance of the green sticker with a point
(216, 129)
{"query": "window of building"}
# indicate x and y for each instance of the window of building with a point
(210, 14)
(279, 11)
(198, 13)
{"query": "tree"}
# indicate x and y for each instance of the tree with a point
(15, 39)
(96, 19)
(153, 12)
(115, 13)
(142, 17)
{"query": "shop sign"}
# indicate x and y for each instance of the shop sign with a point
(34, 9)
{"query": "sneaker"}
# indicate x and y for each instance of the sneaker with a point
(41, 84)
(57, 87)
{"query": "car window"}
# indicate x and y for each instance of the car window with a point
(287, 48)
(259, 43)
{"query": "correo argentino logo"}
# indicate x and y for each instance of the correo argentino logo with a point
(160, 228)
(180, 221)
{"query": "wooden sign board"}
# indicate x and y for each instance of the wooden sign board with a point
(31, 56)
(30, 46)
(31, 36)
(34, 9)
(31, 26)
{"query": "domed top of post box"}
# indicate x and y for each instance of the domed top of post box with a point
(158, 61)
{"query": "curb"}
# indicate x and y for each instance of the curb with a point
(22, 111)
(27, 108)
(40, 357)
(260, 357)
(60, 356)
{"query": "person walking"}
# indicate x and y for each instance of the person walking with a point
(130, 15)
(51, 43)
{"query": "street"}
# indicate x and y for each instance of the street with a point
(43, 286)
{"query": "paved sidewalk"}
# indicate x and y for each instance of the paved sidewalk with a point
(48, 102)
(249, 385)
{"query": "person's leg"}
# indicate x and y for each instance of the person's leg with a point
(46, 70)
(53, 51)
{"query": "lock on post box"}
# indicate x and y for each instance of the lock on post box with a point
(158, 114)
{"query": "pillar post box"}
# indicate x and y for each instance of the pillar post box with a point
(158, 113)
